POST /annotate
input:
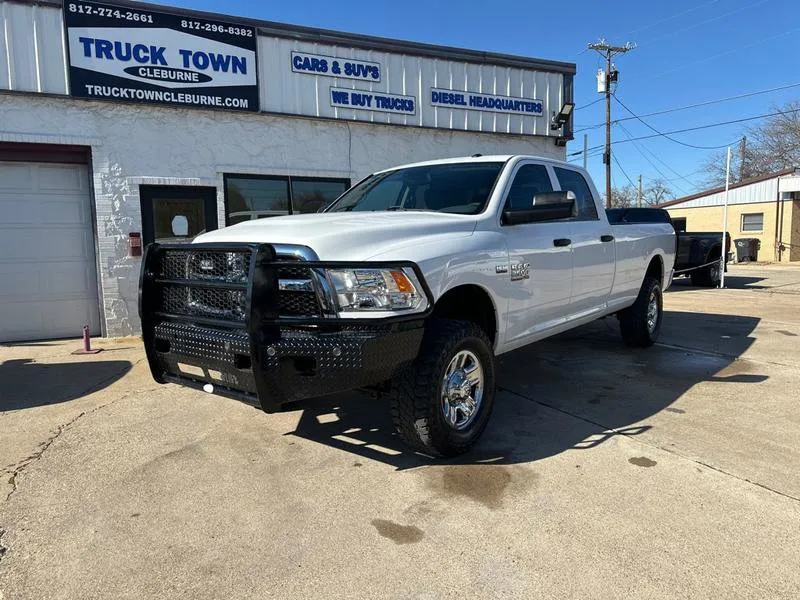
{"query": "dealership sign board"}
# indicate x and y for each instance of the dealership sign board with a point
(141, 55)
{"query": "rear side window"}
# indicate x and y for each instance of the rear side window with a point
(529, 181)
(572, 181)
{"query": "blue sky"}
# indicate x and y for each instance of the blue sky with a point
(688, 51)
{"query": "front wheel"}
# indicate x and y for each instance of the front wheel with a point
(640, 323)
(442, 402)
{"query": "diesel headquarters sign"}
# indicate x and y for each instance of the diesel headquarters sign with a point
(128, 54)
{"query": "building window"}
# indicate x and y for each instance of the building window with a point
(753, 222)
(257, 196)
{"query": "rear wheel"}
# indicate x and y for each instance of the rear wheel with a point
(442, 402)
(708, 276)
(640, 323)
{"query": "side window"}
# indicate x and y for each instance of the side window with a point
(529, 181)
(572, 181)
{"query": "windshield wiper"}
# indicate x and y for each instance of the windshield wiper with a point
(404, 209)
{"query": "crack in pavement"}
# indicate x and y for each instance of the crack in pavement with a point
(623, 432)
(21, 466)
(43, 446)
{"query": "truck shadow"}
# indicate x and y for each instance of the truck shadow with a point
(25, 383)
(573, 391)
(732, 282)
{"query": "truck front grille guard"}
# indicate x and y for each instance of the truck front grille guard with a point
(245, 294)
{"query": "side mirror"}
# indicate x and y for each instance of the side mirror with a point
(546, 206)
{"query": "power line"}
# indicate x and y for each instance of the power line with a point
(675, 16)
(642, 149)
(696, 105)
(707, 21)
(623, 170)
(720, 124)
(726, 52)
(590, 103)
(661, 133)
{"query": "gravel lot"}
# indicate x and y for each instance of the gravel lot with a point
(672, 472)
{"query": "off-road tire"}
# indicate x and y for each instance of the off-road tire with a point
(633, 321)
(417, 391)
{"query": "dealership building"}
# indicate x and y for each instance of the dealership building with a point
(127, 123)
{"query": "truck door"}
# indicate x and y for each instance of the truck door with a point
(592, 247)
(540, 261)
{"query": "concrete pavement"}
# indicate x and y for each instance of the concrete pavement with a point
(605, 472)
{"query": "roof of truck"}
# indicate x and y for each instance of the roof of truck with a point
(475, 158)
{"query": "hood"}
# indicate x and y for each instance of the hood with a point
(347, 236)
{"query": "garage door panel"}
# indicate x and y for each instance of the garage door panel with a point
(67, 280)
(47, 259)
(19, 283)
(62, 178)
(33, 213)
(72, 280)
(44, 244)
(18, 177)
(42, 320)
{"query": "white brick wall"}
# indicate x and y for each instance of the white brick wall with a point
(133, 145)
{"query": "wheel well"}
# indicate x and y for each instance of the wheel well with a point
(469, 303)
(656, 269)
(714, 252)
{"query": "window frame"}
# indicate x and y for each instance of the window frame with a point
(513, 179)
(283, 178)
(741, 222)
(504, 201)
(589, 186)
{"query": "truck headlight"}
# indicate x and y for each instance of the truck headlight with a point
(360, 290)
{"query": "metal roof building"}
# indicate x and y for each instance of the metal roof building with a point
(123, 123)
(765, 208)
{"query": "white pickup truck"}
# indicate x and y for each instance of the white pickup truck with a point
(411, 282)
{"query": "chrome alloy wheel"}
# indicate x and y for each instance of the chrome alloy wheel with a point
(652, 312)
(462, 390)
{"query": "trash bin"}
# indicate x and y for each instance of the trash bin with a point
(747, 249)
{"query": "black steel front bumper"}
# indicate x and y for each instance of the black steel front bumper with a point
(243, 347)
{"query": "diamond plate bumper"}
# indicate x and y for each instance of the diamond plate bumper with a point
(253, 354)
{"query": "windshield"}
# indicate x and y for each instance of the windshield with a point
(461, 188)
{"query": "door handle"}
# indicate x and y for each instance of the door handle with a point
(561, 242)
(606, 238)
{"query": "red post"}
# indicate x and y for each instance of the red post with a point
(87, 344)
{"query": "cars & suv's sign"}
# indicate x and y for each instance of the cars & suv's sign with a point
(141, 55)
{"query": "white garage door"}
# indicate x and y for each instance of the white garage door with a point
(48, 286)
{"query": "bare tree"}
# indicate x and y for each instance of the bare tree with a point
(772, 145)
(623, 197)
(657, 192)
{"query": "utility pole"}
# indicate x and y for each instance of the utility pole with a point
(742, 150)
(604, 81)
(639, 194)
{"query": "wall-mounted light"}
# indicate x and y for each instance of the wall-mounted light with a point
(562, 116)
(561, 141)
